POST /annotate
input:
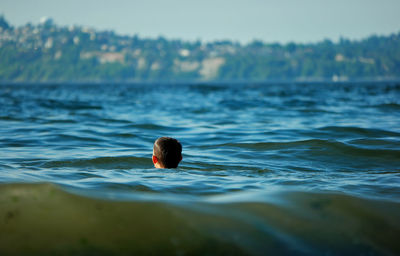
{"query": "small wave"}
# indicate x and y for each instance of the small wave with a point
(69, 138)
(155, 127)
(358, 131)
(18, 143)
(388, 106)
(10, 118)
(122, 135)
(122, 162)
(68, 105)
(315, 110)
(274, 145)
(277, 222)
(59, 121)
(318, 145)
(111, 120)
(376, 143)
(4, 166)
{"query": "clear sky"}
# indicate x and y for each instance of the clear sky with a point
(208, 20)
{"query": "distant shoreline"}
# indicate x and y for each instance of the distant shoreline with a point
(47, 53)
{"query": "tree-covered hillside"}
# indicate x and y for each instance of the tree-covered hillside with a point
(47, 52)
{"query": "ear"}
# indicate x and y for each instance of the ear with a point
(155, 160)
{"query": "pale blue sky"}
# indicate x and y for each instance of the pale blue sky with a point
(208, 20)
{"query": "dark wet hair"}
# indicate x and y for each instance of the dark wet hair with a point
(168, 151)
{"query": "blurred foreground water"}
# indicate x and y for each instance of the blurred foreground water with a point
(267, 169)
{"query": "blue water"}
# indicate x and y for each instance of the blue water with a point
(285, 168)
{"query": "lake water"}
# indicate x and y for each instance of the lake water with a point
(303, 168)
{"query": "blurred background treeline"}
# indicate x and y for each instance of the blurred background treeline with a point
(48, 52)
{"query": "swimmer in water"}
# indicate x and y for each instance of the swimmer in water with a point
(167, 153)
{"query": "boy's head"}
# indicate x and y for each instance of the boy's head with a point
(167, 153)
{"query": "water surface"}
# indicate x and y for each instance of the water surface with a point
(267, 168)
